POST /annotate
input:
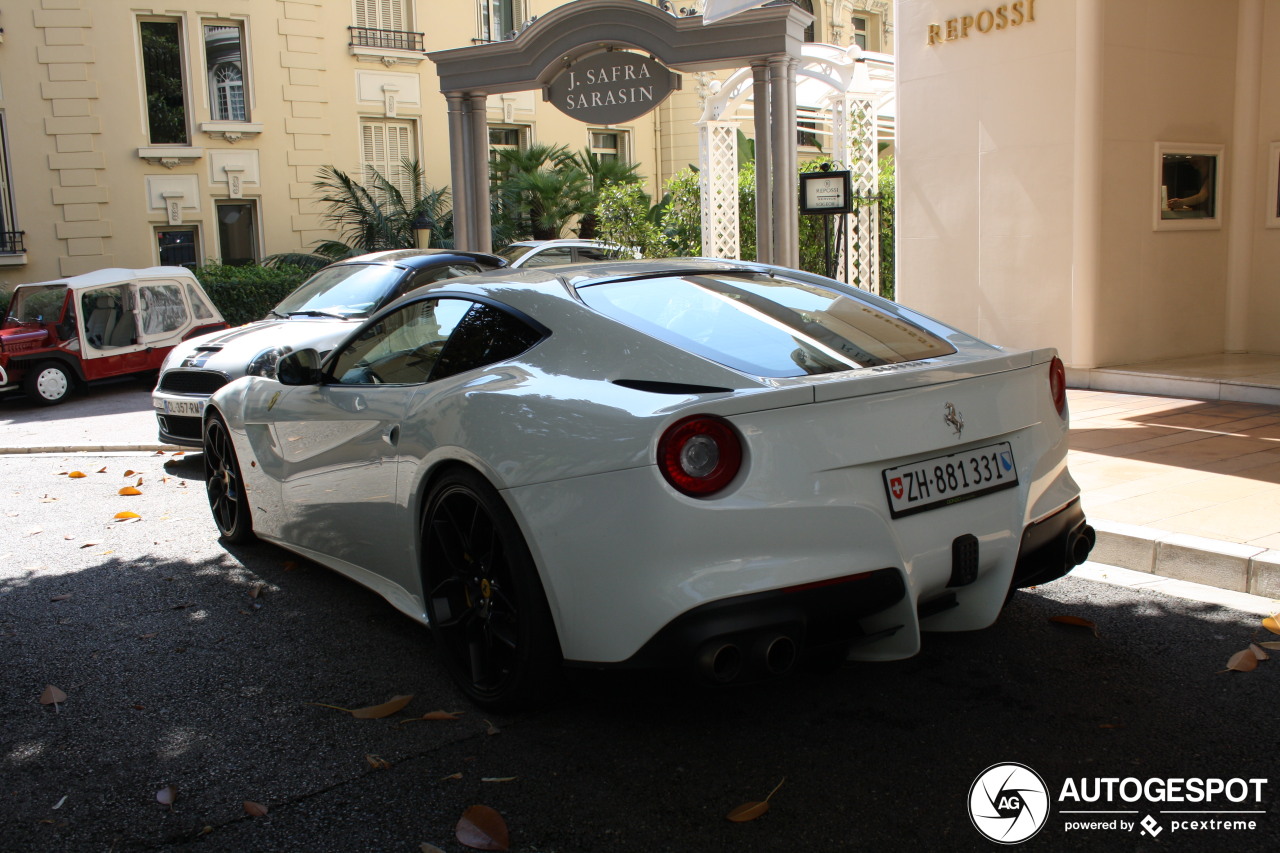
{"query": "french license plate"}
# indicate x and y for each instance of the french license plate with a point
(944, 480)
(184, 407)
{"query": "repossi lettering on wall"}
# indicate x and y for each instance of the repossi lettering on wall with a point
(1002, 17)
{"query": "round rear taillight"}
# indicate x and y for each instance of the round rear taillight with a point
(700, 455)
(1058, 385)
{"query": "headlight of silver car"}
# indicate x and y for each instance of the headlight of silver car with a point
(264, 363)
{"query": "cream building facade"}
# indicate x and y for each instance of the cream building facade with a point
(191, 132)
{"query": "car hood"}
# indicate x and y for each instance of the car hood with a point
(231, 350)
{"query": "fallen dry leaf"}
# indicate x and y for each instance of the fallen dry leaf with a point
(256, 590)
(129, 473)
(255, 809)
(492, 730)
(377, 762)
(166, 795)
(451, 776)
(386, 709)
(1245, 661)
(1076, 620)
(76, 475)
(498, 778)
(126, 516)
(102, 470)
(1271, 624)
(1275, 647)
(52, 696)
(482, 828)
(62, 597)
(90, 544)
(1258, 652)
(128, 491)
(434, 715)
(139, 483)
(751, 811)
(424, 847)
(374, 712)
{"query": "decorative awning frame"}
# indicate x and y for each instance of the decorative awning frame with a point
(769, 39)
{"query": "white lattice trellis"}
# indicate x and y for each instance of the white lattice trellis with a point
(853, 96)
(718, 161)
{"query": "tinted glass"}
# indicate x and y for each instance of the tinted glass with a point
(348, 290)
(764, 326)
(514, 253)
(551, 257)
(402, 347)
(485, 336)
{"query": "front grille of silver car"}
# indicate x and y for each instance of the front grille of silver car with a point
(202, 382)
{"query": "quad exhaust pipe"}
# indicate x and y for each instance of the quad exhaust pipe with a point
(767, 654)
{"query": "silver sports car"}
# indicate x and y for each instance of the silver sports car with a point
(715, 466)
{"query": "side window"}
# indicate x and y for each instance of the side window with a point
(108, 317)
(198, 305)
(402, 347)
(162, 308)
(551, 257)
(485, 336)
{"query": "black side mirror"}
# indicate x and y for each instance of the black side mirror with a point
(300, 367)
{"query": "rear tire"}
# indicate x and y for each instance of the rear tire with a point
(224, 486)
(48, 383)
(489, 615)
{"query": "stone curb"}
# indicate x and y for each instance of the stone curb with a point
(1226, 565)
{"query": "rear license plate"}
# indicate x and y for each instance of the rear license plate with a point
(943, 480)
(184, 407)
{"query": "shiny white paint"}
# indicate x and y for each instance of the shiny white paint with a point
(340, 473)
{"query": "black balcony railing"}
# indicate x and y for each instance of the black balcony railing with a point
(389, 39)
(12, 242)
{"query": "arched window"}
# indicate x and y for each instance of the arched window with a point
(228, 92)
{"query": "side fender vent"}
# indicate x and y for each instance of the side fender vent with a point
(677, 388)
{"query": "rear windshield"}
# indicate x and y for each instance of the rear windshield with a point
(762, 325)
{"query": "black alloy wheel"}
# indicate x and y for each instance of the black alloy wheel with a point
(224, 485)
(488, 612)
(48, 383)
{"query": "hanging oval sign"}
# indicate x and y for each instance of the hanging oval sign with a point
(611, 87)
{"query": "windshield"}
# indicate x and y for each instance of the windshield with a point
(343, 290)
(515, 253)
(762, 325)
(37, 304)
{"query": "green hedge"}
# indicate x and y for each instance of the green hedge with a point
(246, 293)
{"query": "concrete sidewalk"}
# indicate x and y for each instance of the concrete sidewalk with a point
(1185, 489)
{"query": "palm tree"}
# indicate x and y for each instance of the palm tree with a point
(377, 216)
(600, 173)
(539, 189)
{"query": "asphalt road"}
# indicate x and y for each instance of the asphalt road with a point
(177, 675)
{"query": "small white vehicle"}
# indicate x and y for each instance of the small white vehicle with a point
(99, 325)
(548, 253)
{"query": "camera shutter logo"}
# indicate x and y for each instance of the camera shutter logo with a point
(1008, 803)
